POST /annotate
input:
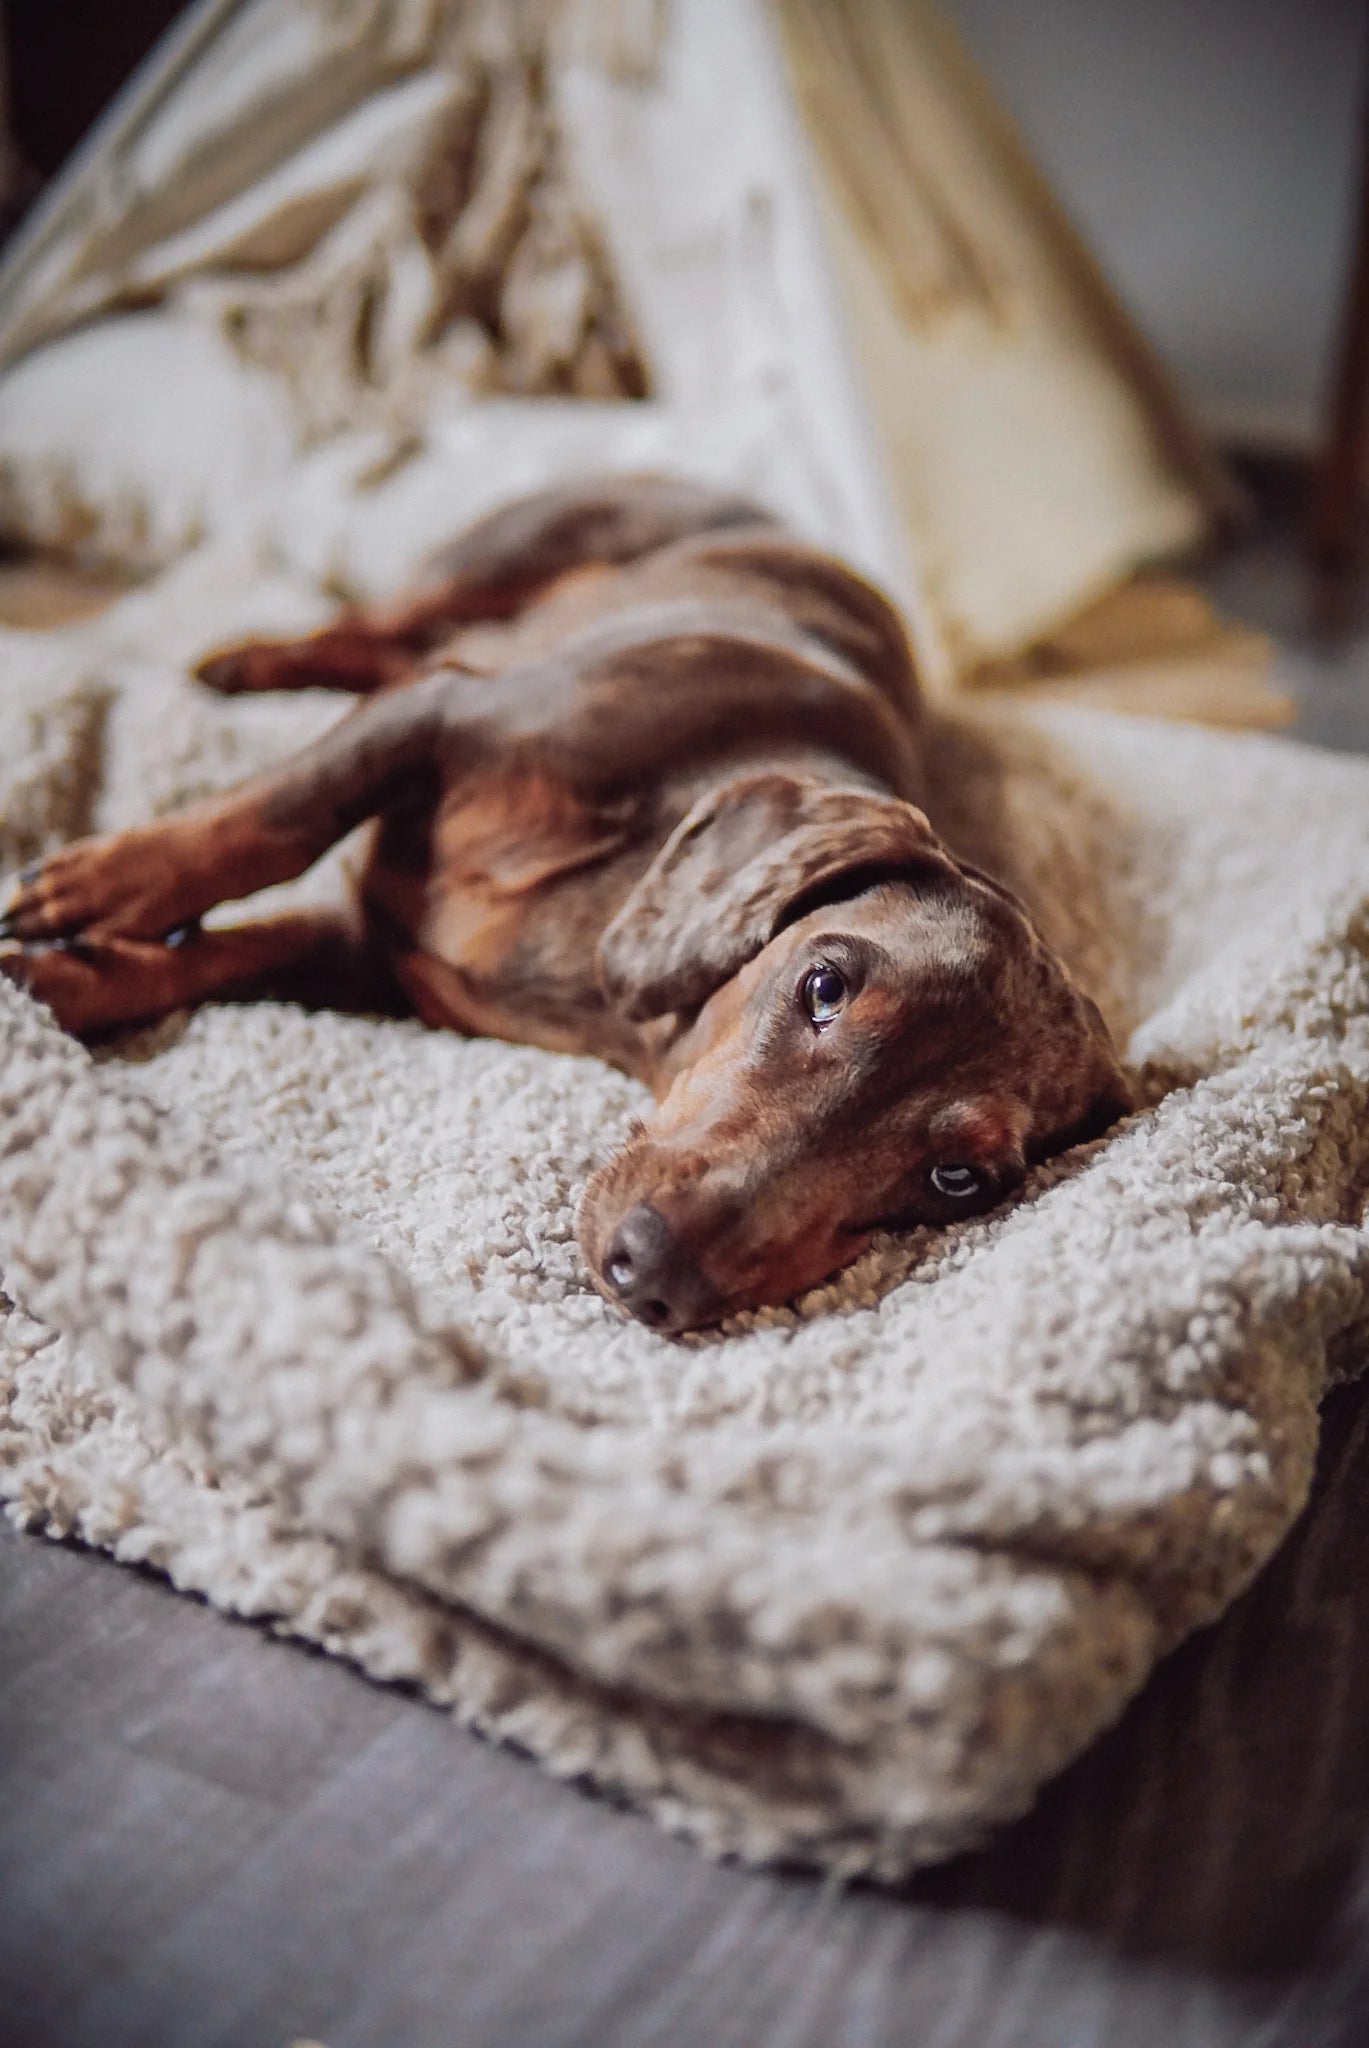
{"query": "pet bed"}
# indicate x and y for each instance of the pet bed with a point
(295, 1314)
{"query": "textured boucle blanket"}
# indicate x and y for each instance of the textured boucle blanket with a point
(294, 1311)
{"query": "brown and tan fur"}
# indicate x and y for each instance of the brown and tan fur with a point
(639, 765)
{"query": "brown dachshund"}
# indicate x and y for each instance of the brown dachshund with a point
(644, 772)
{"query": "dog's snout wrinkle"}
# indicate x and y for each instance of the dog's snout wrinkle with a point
(654, 1278)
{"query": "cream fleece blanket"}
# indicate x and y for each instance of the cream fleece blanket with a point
(297, 1314)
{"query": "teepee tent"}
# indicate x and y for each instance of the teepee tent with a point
(328, 270)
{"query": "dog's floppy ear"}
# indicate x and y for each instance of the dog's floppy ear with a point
(720, 887)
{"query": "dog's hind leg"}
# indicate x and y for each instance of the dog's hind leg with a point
(360, 653)
(493, 571)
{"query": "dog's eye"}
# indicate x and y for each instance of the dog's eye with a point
(958, 1183)
(823, 994)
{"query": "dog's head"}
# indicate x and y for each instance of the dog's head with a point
(879, 1039)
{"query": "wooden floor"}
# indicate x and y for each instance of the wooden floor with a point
(209, 1839)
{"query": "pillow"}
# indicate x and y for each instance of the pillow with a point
(128, 441)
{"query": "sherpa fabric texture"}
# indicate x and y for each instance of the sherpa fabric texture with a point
(296, 1313)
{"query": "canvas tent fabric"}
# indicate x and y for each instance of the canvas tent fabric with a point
(320, 217)
(294, 1310)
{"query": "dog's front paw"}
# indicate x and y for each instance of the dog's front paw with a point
(60, 975)
(59, 896)
(124, 883)
(94, 985)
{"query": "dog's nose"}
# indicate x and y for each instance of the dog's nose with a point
(654, 1278)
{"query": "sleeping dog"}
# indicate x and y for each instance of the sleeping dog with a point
(643, 775)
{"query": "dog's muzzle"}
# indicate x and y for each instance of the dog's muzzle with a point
(654, 1278)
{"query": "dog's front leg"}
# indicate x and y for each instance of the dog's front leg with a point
(149, 881)
(103, 900)
(94, 985)
(155, 879)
